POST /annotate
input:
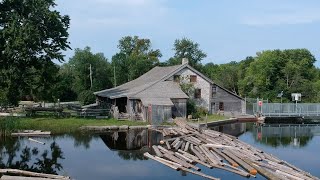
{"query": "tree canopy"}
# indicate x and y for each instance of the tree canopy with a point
(186, 48)
(76, 74)
(32, 34)
(135, 58)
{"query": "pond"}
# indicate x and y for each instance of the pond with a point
(119, 155)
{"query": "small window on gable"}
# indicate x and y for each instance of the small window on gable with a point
(214, 89)
(176, 78)
(193, 78)
(197, 93)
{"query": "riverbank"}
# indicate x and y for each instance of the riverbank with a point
(59, 125)
(73, 124)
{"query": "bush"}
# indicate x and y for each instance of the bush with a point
(8, 125)
(195, 111)
(87, 97)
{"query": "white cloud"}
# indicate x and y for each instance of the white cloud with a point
(285, 18)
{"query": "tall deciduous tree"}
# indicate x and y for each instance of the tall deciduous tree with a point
(274, 71)
(186, 48)
(79, 67)
(135, 58)
(32, 34)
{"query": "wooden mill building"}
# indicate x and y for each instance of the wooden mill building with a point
(156, 96)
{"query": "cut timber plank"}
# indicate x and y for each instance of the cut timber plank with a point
(5, 177)
(28, 173)
(31, 134)
(157, 151)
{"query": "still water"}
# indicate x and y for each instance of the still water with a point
(119, 155)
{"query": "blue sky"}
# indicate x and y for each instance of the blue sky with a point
(226, 30)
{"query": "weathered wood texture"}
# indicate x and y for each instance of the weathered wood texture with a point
(189, 147)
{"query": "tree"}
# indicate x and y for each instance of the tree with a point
(134, 59)
(32, 34)
(79, 68)
(274, 71)
(186, 48)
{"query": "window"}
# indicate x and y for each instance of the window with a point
(197, 93)
(214, 90)
(176, 78)
(221, 106)
(193, 78)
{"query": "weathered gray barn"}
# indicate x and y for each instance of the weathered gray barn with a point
(156, 96)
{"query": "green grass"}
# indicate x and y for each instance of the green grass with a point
(61, 125)
(211, 118)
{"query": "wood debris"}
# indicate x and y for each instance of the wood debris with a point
(184, 146)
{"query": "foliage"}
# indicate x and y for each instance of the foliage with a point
(77, 74)
(8, 125)
(134, 59)
(186, 48)
(275, 71)
(32, 34)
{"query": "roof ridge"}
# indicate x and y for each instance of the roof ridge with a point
(151, 83)
(179, 67)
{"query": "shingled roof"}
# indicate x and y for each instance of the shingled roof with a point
(153, 84)
(147, 80)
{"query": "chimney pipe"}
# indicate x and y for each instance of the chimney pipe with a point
(185, 61)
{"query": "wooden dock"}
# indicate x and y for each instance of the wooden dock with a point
(184, 147)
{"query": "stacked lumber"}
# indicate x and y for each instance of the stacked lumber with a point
(183, 147)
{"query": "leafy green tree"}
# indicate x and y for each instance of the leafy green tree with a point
(186, 48)
(79, 68)
(32, 34)
(134, 59)
(274, 71)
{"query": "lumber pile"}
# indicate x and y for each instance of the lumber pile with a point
(183, 147)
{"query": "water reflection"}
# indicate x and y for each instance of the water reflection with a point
(285, 135)
(17, 156)
(133, 139)
(131, 144)
(235, 129)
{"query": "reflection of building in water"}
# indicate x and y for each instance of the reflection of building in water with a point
(132, 139)
(234, 129)
(295, 135)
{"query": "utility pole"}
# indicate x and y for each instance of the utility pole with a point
(114, 75)
(90, 68)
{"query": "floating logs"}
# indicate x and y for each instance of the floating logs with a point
(184, 146)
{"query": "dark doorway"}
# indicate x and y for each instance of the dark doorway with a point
(121, 103)
(221, 106)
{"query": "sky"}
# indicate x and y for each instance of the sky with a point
(228, 30)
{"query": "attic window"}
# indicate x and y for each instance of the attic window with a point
(197, 93)
(176, 78)
(193, 78)
(214, 89)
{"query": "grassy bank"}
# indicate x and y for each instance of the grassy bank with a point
(211, 118)
(57, 125)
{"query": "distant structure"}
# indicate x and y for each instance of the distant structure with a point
(156, 96)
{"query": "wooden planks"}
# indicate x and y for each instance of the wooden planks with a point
(213, 149)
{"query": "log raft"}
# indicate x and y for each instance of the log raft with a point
(184, 147)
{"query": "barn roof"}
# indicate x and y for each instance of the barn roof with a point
(153, 84)
(142, 83)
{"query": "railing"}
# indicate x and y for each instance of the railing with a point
(287, 109)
